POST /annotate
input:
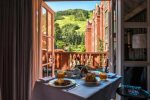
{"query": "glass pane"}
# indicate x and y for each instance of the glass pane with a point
(44, 43)
(44, 57)
(135, 11)
(49, 24)
(47, 65)
(46, 31)
(49, 44)
(43, 21)
(136, 76)
(45, 71)
(50, 59)
(135, 43)
(106, 38)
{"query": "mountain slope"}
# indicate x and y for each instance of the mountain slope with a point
(70, 26)
(74, 18)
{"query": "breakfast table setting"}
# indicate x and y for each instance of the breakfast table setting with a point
(77, 85)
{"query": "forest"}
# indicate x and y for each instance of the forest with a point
(70, 26)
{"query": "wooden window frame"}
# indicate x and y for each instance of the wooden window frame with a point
(47, 36)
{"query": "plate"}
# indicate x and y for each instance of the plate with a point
(72, 82)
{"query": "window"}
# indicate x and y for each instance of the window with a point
(47, 40)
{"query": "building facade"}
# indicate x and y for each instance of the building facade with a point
(97, 29)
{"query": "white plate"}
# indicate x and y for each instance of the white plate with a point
(72, 82)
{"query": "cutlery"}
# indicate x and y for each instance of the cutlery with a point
(72, 87)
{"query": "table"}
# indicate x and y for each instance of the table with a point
(104, 91)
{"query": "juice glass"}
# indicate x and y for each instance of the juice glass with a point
(103, 76)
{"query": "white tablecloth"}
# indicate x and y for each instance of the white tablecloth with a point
(104, 91)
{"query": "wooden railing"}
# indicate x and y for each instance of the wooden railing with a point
(67, 60)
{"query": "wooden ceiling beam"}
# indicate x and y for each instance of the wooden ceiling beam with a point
(135, 11)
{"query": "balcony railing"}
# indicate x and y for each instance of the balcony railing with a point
(67, 60)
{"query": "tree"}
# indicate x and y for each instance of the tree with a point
(58, 32)
(70, 34)
(82, 39)
(58, 17)
(80, 16)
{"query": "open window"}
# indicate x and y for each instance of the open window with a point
(47, 40)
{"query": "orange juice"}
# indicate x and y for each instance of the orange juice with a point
(103, 76)
(60, 75)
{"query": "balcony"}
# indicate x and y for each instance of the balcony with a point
(68, 60)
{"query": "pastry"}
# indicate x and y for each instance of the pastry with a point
(90, 77)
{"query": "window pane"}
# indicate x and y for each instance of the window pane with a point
(45, 71)
(44, 42)
(43, 21)
(49, 44)
(135, 44)
(44, 57)
(49, 24)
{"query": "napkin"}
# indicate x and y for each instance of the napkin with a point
(76, 71)
(46, 79)
(96, 73)
(111, 75)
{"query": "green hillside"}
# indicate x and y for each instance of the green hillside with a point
(70, 26)
(71, 19)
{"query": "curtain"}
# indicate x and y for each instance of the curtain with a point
(16, 49)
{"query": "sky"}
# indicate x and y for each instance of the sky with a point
(64, 5)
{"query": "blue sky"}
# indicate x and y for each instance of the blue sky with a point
(64, 5)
